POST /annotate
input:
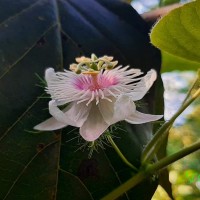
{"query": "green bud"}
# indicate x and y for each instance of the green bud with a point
(93, 57)
(93, 66)
(99, 65)
(88, 65)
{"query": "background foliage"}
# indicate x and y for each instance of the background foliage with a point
(178, 34)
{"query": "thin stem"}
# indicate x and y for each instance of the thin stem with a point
(120, 153)
(153, 145)
(190, 91)
(138, 178)
(174, 157)
(151, 169)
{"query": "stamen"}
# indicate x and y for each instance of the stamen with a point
(102, 94)
(107, 99)
(112, 93)
(97, 97)
(91, 99)
(78, 102)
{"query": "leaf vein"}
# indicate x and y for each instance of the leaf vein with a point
(20, 117)
(84, 15)
(20, 12)
(28, 50)
(78, 179)
(26, 166)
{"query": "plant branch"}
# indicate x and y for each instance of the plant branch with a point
(151, 169)
(194, 85)
(154, 144)
(138, 178)
(120, 153)
(174, 157)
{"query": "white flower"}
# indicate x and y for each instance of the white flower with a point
(96, 99)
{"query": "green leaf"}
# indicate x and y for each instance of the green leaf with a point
(171, 62)
(178, 32)
(34, 35)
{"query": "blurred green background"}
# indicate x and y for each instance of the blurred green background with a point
(178, 75)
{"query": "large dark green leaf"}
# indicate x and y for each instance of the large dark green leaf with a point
(37, 34)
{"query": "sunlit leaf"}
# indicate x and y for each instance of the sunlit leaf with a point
(178, 32)
(171, 62)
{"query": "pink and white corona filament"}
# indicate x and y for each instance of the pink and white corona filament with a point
(97, 95)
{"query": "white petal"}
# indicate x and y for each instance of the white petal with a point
(50, 124)
(49, 74)
(139, 118)
(117, 110)
(57, 113)
(77, 113)
(74, 115)
(107, 109)
(123, 108)
(60, 86)
(94, 126)
(143, 85)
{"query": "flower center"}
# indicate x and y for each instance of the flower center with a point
(94, 80)
(93, 73)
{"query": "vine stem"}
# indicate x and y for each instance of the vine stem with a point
(149, 170)
(195, 83)
(154, 144)
(120, 153)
